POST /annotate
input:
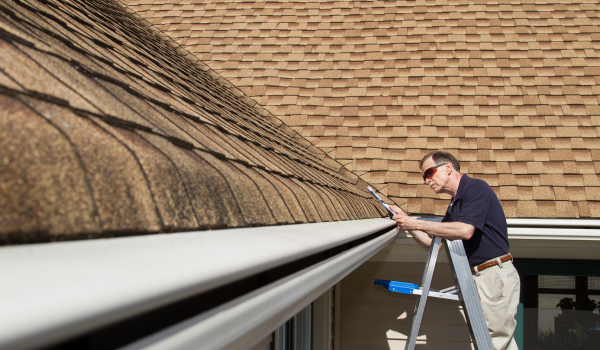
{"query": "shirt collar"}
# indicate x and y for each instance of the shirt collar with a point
(461, 187)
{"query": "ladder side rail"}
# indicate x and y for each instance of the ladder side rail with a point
(422, 300)
(470, 298)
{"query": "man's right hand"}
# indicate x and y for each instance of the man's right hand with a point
(411, 225)
(396, 210)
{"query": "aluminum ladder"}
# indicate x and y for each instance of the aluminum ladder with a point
(464, 291)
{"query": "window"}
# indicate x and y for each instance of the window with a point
(295, 333)
(560, 305)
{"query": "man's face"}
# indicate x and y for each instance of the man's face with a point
(440, 177)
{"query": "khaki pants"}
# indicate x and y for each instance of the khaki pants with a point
(499, 289)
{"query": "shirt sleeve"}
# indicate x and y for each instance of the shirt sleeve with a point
(475, 206)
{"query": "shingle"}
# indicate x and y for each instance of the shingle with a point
(546, 209)
(594, 208)
(271, 195)
(509, 193)
(33, 77)
(118, 185)
(578, 193)
(567, 209)
(527, 209)
(574, 180)
(584, 209)
(323, 204)
(62, 202)
(306, 203)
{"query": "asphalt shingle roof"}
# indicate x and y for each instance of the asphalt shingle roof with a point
(108, 128)
(511, 88)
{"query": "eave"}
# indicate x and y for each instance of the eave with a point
(54, 292)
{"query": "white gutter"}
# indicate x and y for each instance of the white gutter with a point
(565, 234)
(549, 229)
(51, 292)
(554, 229)
(554, 222)
(241, 323)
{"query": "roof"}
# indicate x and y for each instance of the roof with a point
(108, 129)
(511, 88)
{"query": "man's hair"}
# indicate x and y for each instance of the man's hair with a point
(441, 157)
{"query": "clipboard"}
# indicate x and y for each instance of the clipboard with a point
(381, 201)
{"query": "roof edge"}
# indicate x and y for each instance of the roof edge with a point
(88, 284)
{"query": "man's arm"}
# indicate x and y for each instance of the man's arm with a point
(421, 229)
(422, 238)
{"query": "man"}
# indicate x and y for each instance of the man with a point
(475, 216)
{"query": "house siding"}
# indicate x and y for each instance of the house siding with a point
(374, 318)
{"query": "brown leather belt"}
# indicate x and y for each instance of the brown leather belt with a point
(491, 263)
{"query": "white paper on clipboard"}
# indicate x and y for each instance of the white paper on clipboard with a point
(381, 201)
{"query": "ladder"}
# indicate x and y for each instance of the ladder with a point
(464, 291)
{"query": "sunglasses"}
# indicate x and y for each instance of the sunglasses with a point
(431, 171)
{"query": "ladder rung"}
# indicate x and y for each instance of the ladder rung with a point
(453, 289)
(437, 294)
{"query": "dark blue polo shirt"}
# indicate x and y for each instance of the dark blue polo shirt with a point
(477, 204)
